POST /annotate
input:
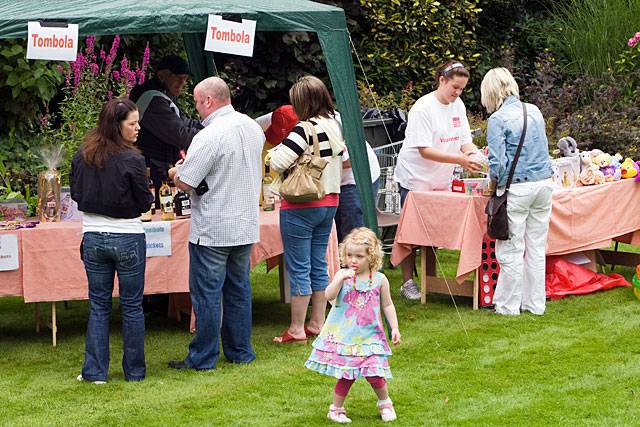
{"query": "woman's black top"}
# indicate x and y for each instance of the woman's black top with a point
(120, 189)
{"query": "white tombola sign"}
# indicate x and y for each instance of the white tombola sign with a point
(53, 41)
(229, 36)
(9, 252)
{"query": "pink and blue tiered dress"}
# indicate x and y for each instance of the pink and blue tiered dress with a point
(352, 343)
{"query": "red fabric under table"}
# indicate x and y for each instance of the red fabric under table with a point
(566, 278)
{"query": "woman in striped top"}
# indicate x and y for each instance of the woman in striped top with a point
(305, 227)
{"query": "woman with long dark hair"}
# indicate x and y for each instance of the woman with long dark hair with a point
(109, 183)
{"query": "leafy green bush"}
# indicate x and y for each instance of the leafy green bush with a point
(403, 99)
(588, 35)
(404, 41)
(593, 110)
(511, 34)
(26, 87)
(628, 64)
(261, 83)
(20, 164)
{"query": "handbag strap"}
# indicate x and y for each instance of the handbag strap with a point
(518, 150)
(314, 137)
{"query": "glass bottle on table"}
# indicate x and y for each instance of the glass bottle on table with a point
(268, 198)
(182, 204)
(172, 185)
(166, 202)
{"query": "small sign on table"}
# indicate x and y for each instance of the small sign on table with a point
(158, 236)
(9, 252)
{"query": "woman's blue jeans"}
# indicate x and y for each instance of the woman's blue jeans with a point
(305, 235)
(104, 254)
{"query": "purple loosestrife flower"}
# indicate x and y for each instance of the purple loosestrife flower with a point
(76, 67)
(131, 78)
(136, 75)
(94, 69)
(124, 66)
(147, 54)
(114, 50)
(90, 42)
(109, 95)
(103, 55)
(116, 75)
(145, 63)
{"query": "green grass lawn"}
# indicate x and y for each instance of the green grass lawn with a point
(577, 365)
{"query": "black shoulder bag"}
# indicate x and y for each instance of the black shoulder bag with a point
(496, 210)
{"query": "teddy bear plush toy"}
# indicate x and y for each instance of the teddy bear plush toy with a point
(568, 147)
(585, 160)
(616, 162)
(603, 162)
(591, 176)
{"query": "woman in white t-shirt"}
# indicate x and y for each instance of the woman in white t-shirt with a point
(437, 138)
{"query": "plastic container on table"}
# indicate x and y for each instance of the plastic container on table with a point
(476, 186)
(13, 210)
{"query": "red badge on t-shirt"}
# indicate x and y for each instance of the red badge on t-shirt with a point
(456, 122)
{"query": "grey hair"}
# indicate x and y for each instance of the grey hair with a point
(496, 85)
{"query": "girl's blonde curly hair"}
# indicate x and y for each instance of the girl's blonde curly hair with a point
(363, 236)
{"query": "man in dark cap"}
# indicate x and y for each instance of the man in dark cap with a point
(164, 130)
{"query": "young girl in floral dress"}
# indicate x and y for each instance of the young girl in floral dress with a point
(353, 343)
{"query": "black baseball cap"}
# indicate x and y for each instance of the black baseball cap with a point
(173, 63)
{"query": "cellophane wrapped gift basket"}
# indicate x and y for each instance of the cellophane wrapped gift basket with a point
(49, 184)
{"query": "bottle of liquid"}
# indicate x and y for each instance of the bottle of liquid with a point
(182, 203)
(166, 202)
(268, 198)
(146, 216)
(172, 185)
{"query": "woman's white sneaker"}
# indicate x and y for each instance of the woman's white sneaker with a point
(409, 290)
(80, 378)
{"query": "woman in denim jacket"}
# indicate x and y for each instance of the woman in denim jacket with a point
(521, 283)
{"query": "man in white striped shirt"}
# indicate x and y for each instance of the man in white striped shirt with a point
(224, 226)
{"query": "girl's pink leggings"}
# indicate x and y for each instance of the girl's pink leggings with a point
(343, 385)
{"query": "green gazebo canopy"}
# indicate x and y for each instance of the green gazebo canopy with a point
(189, 17)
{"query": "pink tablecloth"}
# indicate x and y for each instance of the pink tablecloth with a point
(582, 218)
(51, 270)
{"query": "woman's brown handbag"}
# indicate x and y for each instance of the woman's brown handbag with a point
(302, 182)
(496, 210)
